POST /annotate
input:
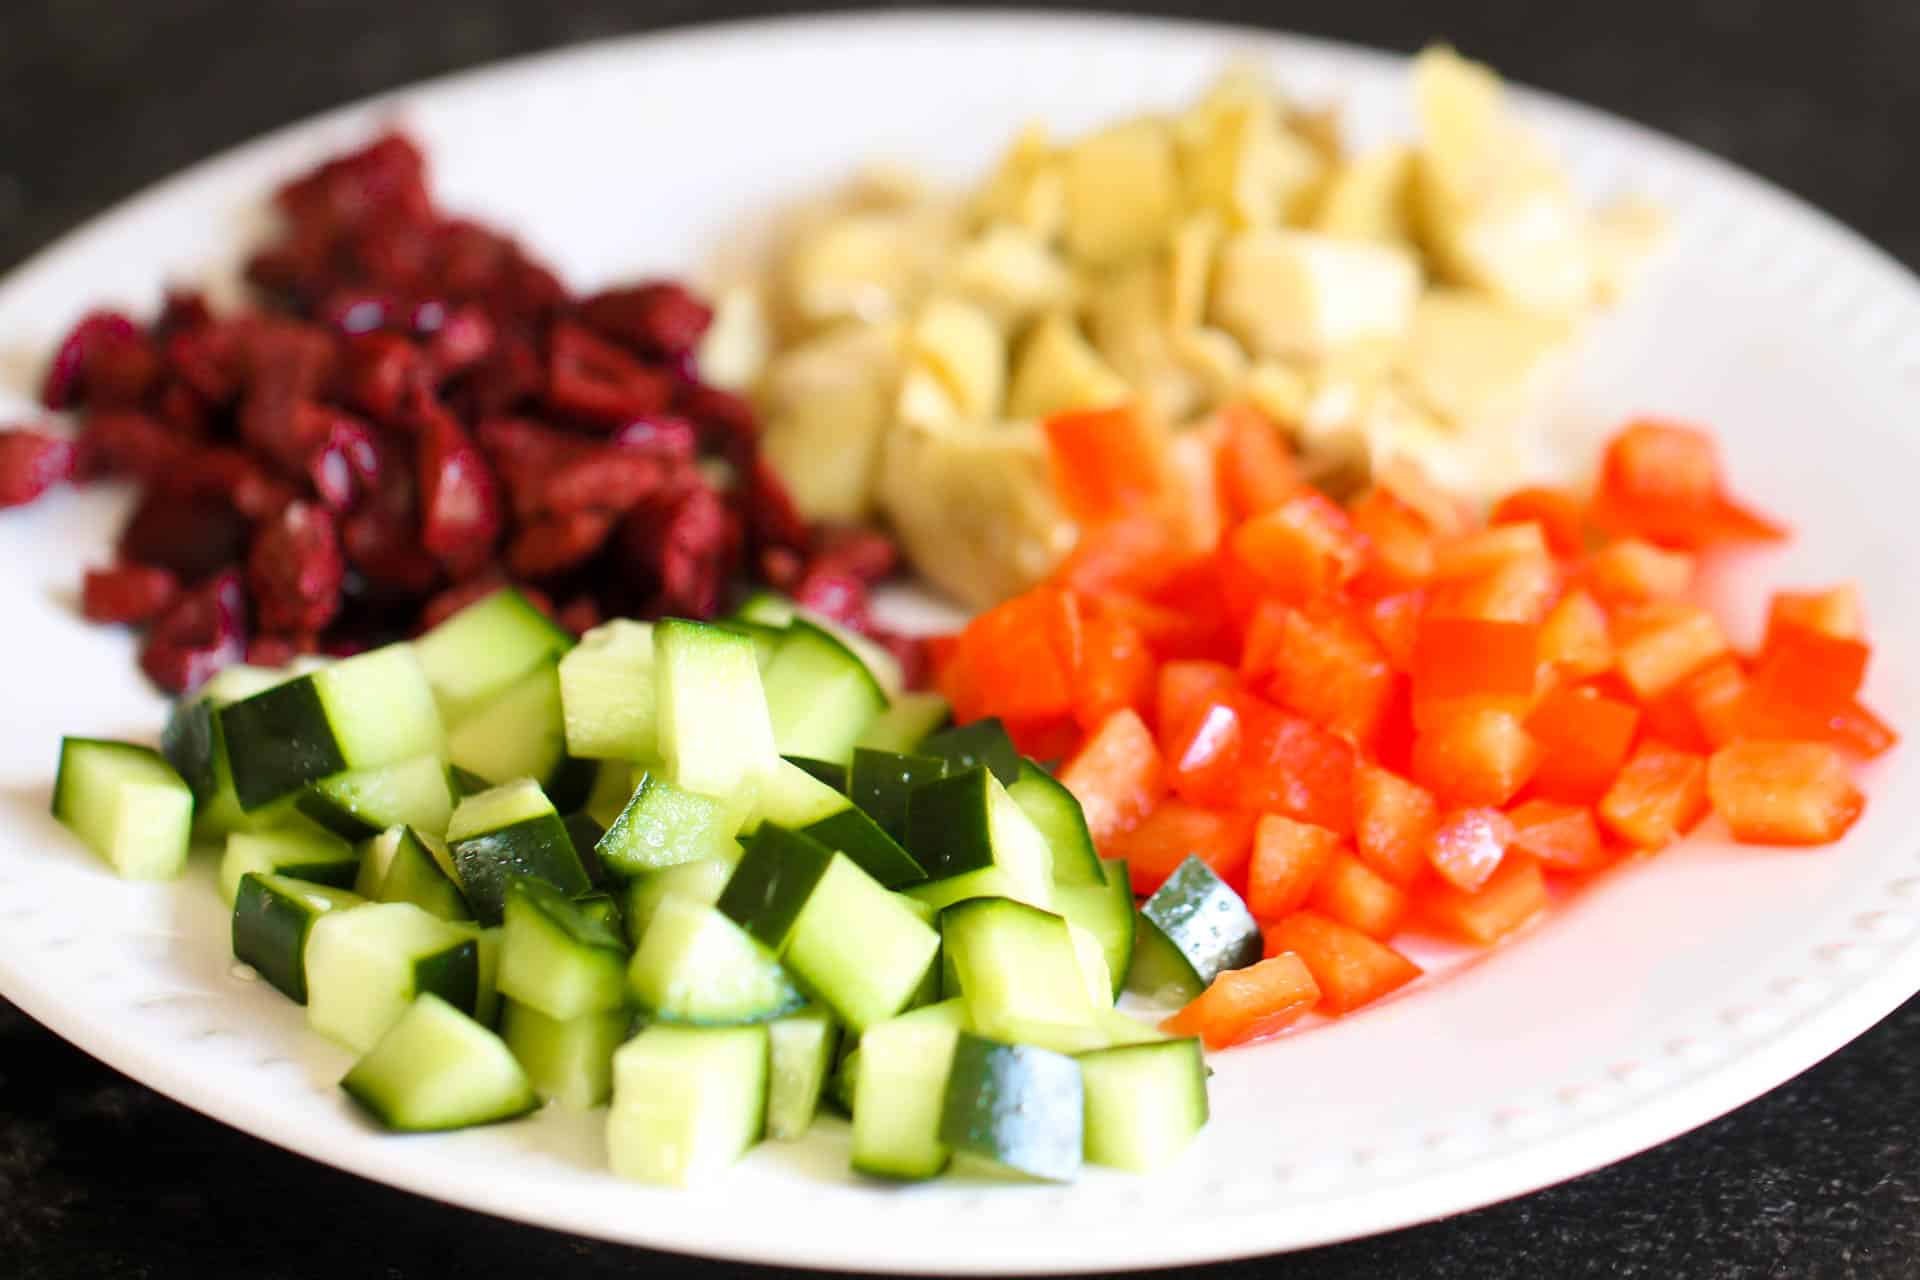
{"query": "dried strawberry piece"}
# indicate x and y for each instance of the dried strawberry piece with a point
(387, 176)
(668, 435)
(392, 253)
(526, 455)
(122, 369)
(122, 442)
(128, 593)
(659, 318)
(554, 544)
(481, 265)
(681, 550)
(833, 594)
(279, 650)
(210, 358)
(772, 519)
(357, 311)
(382, 539)
(180, 407)
(457, 338)
(591, 379)
(65, 385)
(287, 366)
(511, 376)
(379, 373)
(581, 615)
(181, 310)
(728, 425)
(867, 554)
(198, 634)
(32, 462)
(347, 463)
(781, 567)
(236, 478)
(610, 480)
(460, 508)
(193, 536)
(296, 570)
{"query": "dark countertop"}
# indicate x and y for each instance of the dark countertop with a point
(99, 1177)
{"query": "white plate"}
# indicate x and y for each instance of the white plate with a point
(1675, 990)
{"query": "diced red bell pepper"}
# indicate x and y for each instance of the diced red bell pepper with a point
(1634, 571)
(1574, 641)
(1288, 858)
(1485, 550)
(1561, 516)
(1714, 696)
(1789, 793)
(1254, 465)
(1350, 968)
(1327, 668)
(1203, 748)
(1658, 797)
(1048, 740)
(1446, 515)
(1522, 589)
(1177, 830)
(1656, 646)
(1116, 670)
(1515, 894)
(1468, 846)
(1584, 738)
(1860, 731)
(1302, 549)
(1662, 482)
(1177, 631)
(1248, 1004)
(1134, 555)
(1802, 681)
(1352, 893)
(1394, 621)
(1260, 650)
(1480, 757)
(1291, 766)
(1023, 654)
(1835, 612)
(1562, 836)
(1107, 463)
(1186, 686)
(1402, 542)
(1117, 775)
(1465, 663)
(1393, 823)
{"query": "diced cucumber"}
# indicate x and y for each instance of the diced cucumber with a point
(1107, 912)
(369, 710)
(1192, 929)
(820, 696)
(768, 890)
(508, 832)
(1013, 1109)
(663, 825)
(767, 609)
(969, 746)
(700, 883)
(490, 943)
(899, 1095)
(193, 743)
(987, 882)
(613, 784)
(466, 784)
(1091, 959)
(435, 1069)
(376, 855)
(792, 798)
(694, 965)
(272, 916)
(556, 957)
(766, 640)
(1117, 1028)
(364, 802)
(414, 874)
(301, 850)
(1019, 973)
(771, 610)
(366, 964)
(846, 1074)
(607, 693)
(801, 1048)
(1053, 810)
(485, 647)
(902, 727)
(569, 1062)
(831, 773)
(515, 732)
(687, 1101)
(880, 782)
(714, 733)
(126, 804)
(857, 947)
(968, 822)
(1144, 1102)
(604, 909)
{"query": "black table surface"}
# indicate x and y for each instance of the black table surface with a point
(100, 1177)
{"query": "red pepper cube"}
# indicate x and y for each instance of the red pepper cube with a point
(1254, 467)
(1024, 653)
(1484, 550)
(1288, 858)
(1564, 837)
(1663, 463)
(1787, 793)
(1802, 681)
(1248, 1004)
(1203, 751)
(1466, 663)
(1350, 968)
(1522, 589)
(1860, 731)
(1394, 623)
(1117, 775)
(1469, 845)
(1479, 757)
(1574, 642)
(1402, 542)
(1107, 463)
(1135, 554)
(1561, 517)
(1300, 550)
(1260, 650)
(1714, 696)
(1176, 831)
(1656, 646)
(1116, 670)
(1393, 823)
(1634, 571)
(1351, 892)
(1290, 766)
(1584, 738)
(1835, 612)
(1658, 797)
(1512, 896)
(1327, 668)
(1184, 687)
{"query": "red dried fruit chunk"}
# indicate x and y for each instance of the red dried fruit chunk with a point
(296, 570)
(867, 554)
(121, 370)
(382, 541)
(771, 518)
(682, 550)
(379, 373)
(581, 615)
(31, 463)
(458, 338)
(347, 462)
(200, 633)
(182, 309)
(386, 176)
(121, 442)
(129, 593)
(667, 435)
(182, 410)
(553, 544)
(608, 480)
(278, 650)
(833, 594)
(593, 380)
(507, 380)
(287, 366)
(65, 385)
(210, 359)
(460, 509)
(234, 477)
(659, 318)
(727, 422)
(192, 535)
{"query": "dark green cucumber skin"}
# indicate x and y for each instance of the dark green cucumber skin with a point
(1205, 920)
(453, 975)
(827, 771)
(871, 849)
(571, 783)
(602, 908)
(466, 783)
(1052, 808)
(880, 781)
(270, 934)
(1020, 1106)
(984, 742)
(539, 848)
(588, 927)
(335, 873)
(773, 883)
(585, 834)
(947, 824)
(334, 817)
(277, 742)
(188, 743)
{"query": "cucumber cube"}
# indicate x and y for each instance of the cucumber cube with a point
(687, 1102)
(438, 1069)
(126, 804)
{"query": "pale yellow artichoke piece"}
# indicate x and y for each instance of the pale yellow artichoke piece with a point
(869, 266)
(735, 348)
(1280, 390)
(1028, 187)
(1476, 364)
(1011, 273)
(925, 401)
(1190, 260)
(1247, 169)
(974, 507)
(961, 346)
(1367, 198)
(1123, 192)
(828, 402)
(1059, 370)
(1126, 321)
(1624, 236)
(1296, 293)
(1215, 359)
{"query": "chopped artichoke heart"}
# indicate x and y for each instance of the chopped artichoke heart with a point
(1058, 370)
(1295, 293)
(960, 345)
(1010, 273)
(829, 402)
(1367, 198)
(1480, 365)
(1123, 192)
